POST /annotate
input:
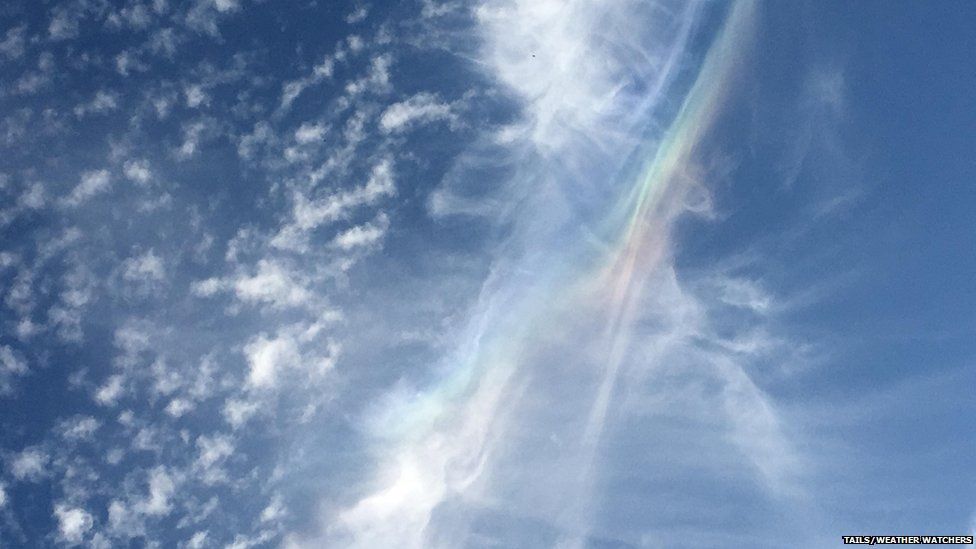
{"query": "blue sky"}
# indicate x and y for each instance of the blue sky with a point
(487, 273)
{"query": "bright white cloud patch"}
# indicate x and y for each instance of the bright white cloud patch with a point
(308, 215)
(138, 171)
(272, 284)
(29, 464)
(267, 357)
(92, 183)
(161, 490)
(11, 366)
(419, 109)
(363, 235)
(147, 267)
(73, 523)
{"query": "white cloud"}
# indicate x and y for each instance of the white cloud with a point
(274, 511)
(267, 357)
(590, 76)
(299, 348)
(103, 102)
(124, 521)
(357, 15)
(3, 495)
(12, 45)
(127, 62)
(421, 108)
(164, 41)
(309, 133)
(435, 8)
(272, 284)
(132, 338)
(161, 490)
(33, 197)
(30, 464)
(212, 452)
(147, 267)
(79, 428)
(195, 96)
(108, 394)
(291, 90)
(138, 171)
(238, 412)
(198, 541)
(192, 135)
(164, 379)
(227, 5)
(178, 407)
(92, 183)
(63, 25)
(73, 523)
(307, 215)
(208, 287)
(377, 80)
(11, 365)
(363, 235)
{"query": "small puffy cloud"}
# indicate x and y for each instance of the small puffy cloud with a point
(161, 490)
(136, 17)
(103, 102)
(212, 452)
(132, 339)
(73, 523)
(208, 287)
(419, 109)
(309, 133)
(147, 267)
(357, 15)
(92, 183)
(178, 407)
(740, 293)
(363, 235)
(124, 521)
(63, 25)
(33, 197)
(108, 394)
(291, 90)
(307, 215)
(274, 511)
(79, 428)
(29, 464)
(165, 380)
(164, 41)
(12, 45)
(127, 62)
(11, 365)
(295, 347)
(203, 14)
(198, 541)
(434, 8)
(272, 284)
(238, 412)
(191, 140)
(227, 5)
(266, 358)
(3, 495)
(377, 80)
(138, 171)
(195, 96)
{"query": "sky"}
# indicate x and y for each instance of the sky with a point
(486, 273)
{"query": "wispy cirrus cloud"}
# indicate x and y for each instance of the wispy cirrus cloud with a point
(583, 293)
